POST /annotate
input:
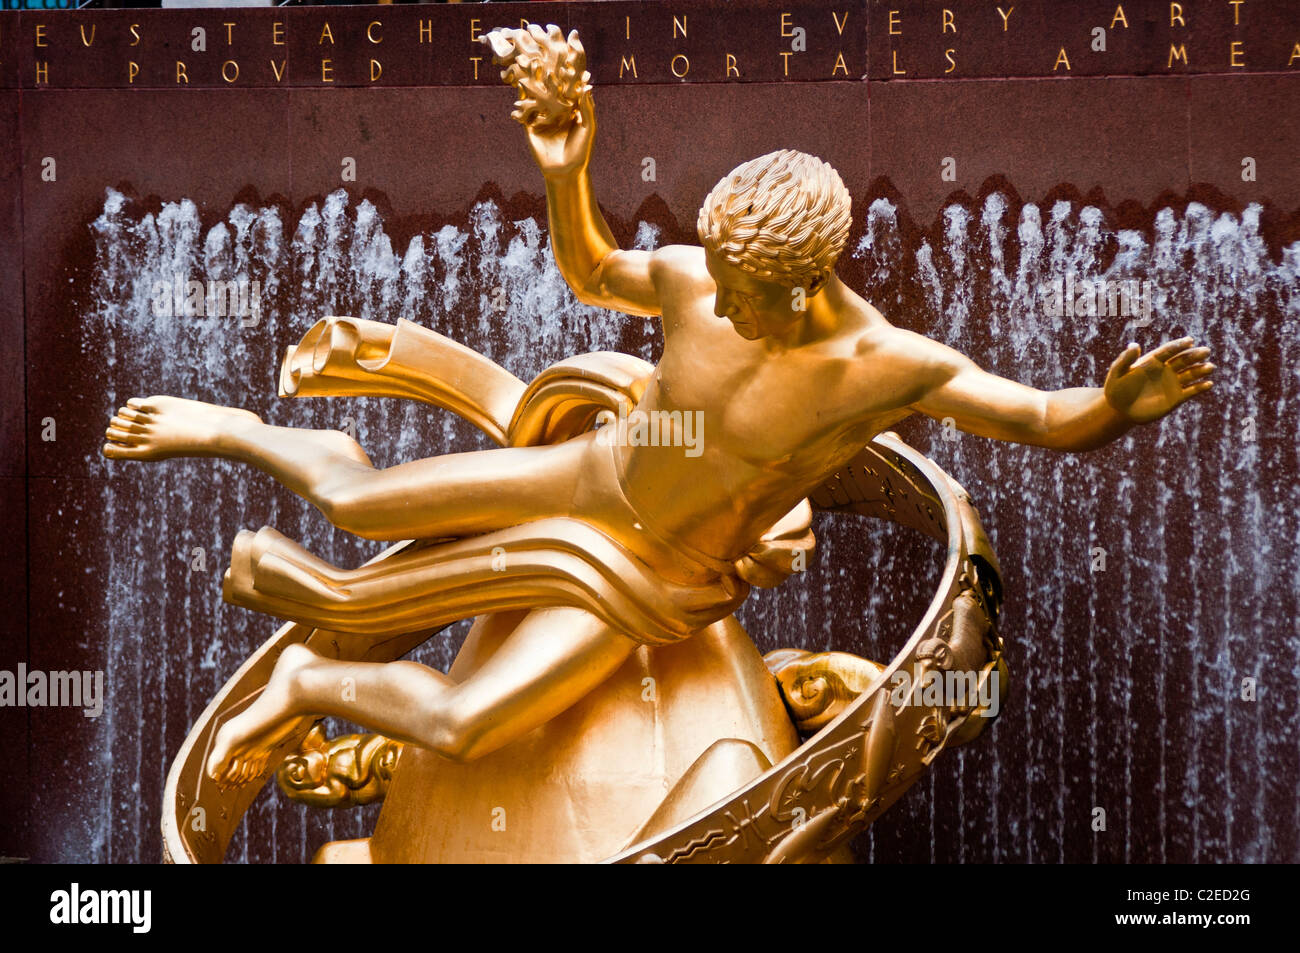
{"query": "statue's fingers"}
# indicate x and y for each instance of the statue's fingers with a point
(1124, 363)
(1189, 357)
(1195, 373)
(525, 111)
(586, 111)
(1167, 350)
(1198, 388)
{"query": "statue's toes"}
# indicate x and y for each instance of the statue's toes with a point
(127, 424)
(124, 437)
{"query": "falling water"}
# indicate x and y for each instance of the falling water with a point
(1126, 681)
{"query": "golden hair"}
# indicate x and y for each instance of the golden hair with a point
(783, 217)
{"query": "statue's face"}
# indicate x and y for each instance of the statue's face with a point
(756, 308)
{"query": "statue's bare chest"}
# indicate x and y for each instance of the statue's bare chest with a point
(777, 409)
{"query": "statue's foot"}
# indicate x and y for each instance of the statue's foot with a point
(244, 745)
(155, 428)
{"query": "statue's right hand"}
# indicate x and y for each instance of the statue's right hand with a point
(560, 149)
(548, 71)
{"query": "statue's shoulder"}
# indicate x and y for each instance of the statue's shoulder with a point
(679, 262)
(887, 344)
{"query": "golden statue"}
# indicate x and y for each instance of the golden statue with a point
(605, 545)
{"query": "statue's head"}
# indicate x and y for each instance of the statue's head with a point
(772, 230)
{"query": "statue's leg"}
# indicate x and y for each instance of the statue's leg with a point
(452, 495)
(552, 659)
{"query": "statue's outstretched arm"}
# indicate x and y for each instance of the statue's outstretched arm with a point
(558, 114)
(1137, 390)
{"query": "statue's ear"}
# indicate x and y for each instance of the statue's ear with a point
(817, 284)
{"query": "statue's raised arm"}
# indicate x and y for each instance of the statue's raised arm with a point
(555, 107)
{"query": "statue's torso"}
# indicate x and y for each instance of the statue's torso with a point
(772, 424)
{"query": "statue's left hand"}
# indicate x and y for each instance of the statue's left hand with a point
(1145, 388)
